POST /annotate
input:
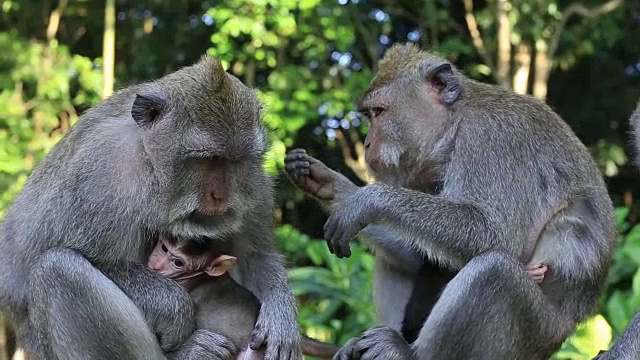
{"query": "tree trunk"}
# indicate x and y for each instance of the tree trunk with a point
(108, 48)
(542, 70)
(522, 59)
(503, 65)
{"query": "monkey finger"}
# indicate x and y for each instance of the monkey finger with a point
(272, 353)
(349, 351)
(295, 354)
(297, 151)
(336, 243)
(303, 172)
(294, 156)
(538, 271)
(296, 167)
(329, 229)
(343, 243)
(258, 338)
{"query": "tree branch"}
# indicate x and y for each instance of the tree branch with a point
(579, 9)
(357, 163)
(54, 20)
(503, 63)
(369, 40)
(472, 25)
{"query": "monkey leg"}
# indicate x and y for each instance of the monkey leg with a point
(78, 313)
(391, 291)
(492, 310)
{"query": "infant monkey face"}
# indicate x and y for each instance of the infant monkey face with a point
(166, 260)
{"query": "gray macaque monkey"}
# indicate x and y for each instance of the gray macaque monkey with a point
(627, 344)
(479, 180)
(180, 156)
(222, 305)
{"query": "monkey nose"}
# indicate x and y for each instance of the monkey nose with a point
(216, 205)
(154, 264)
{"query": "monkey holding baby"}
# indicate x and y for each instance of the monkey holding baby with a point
(480, 185)
(181, 156)
(222, 305)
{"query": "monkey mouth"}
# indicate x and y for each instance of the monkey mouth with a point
(377, 165)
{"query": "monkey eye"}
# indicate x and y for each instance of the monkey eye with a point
(164, 248)
(179, 264)
(376, 111)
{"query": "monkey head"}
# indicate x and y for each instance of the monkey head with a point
(203, 142)
(409, 104)
(175, 261)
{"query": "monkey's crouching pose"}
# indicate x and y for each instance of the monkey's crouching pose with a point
(222, 305)
(177, 157)
(480, 181)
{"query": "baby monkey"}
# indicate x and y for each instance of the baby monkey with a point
(222, 305)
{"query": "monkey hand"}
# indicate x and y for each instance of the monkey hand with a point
(380, 342)
(282, 338)
(314, 177)
(205, 345)
(349, 214)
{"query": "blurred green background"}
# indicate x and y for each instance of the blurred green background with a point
(310, 60)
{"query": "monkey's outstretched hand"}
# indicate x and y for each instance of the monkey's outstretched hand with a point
(380, 342)
(275, 337)
(314, 177)
(350, 213)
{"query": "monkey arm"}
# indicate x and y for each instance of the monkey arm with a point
(388, 242)
(431, 224)
(261, 271)
(277, 320)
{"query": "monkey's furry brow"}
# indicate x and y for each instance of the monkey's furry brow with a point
(401, 61)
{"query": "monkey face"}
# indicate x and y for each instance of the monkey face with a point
(166, 260)
(201, 133)
(408, 114)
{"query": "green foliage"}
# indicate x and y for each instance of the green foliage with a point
(590, 337)
(335, 294)
(40, 86)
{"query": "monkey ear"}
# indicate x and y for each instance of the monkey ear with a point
(220, 265)
(146, 109)
(214, 67)
(445, 83)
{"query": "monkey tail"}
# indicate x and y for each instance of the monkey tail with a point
(317, 348)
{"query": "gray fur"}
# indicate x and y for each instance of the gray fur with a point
(506, 164)
(226, 308)
(112, 184)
